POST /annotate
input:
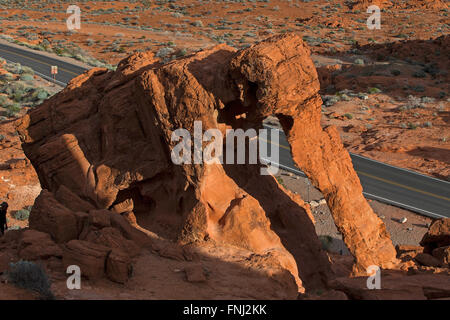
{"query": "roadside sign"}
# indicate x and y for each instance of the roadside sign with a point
(54, 69)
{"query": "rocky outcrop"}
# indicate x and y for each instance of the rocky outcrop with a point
(396, 285)
(35, 245)
(51, 217)
(438, 235)
(436, 242)
(104, 143)
(433, 256)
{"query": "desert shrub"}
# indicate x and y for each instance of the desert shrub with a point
(39, 94)
(413, 103)
(7, 76)
(418, 88)
(326, 242)
(374, 90)
(12, 109)
(182, 52)
(30, 275)
(26, 77)
(164, 52)
(412, 126)
(26, 70)
(18, 95)
(3, 100)
(281, 181)
(197, 23)
(13, 67)
(419, 74)
(428, 100)
(348, 116)
(22, 214)
(330, 100)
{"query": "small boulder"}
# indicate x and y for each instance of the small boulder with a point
(443, 255)
(427, 260)
(412, 250)
(118, 266)
(402, 248)
(90, 257)
(438, 235)
(172, 252)
(37, 245)
(50, 216)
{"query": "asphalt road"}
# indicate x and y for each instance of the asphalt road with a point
(388, 184)
(41, 64)
(382, 182)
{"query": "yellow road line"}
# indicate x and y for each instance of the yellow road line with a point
(276, 144)
(403, 186)
(379, 179)
(18, 54)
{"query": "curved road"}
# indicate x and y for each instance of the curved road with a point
(41, 63)
(400, 187)
(386, 183)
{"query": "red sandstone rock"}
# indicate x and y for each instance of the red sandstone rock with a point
(118, 266)
(36, 245)
(90, 257)
(408, 248)
(5, 259)
(438, 235)
(100, 218)
(396, 285)
(443, 255)
(325, 74)
(123, 207)
(132, 113)
(427, 260)
(50, 216)
(112, 238)
(71, 200)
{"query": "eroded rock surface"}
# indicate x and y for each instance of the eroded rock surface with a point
(104, 143)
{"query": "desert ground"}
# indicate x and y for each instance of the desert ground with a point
(386, 91)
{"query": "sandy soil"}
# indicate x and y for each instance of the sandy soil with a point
(229, 271)
(328, 26)
(19, 185)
